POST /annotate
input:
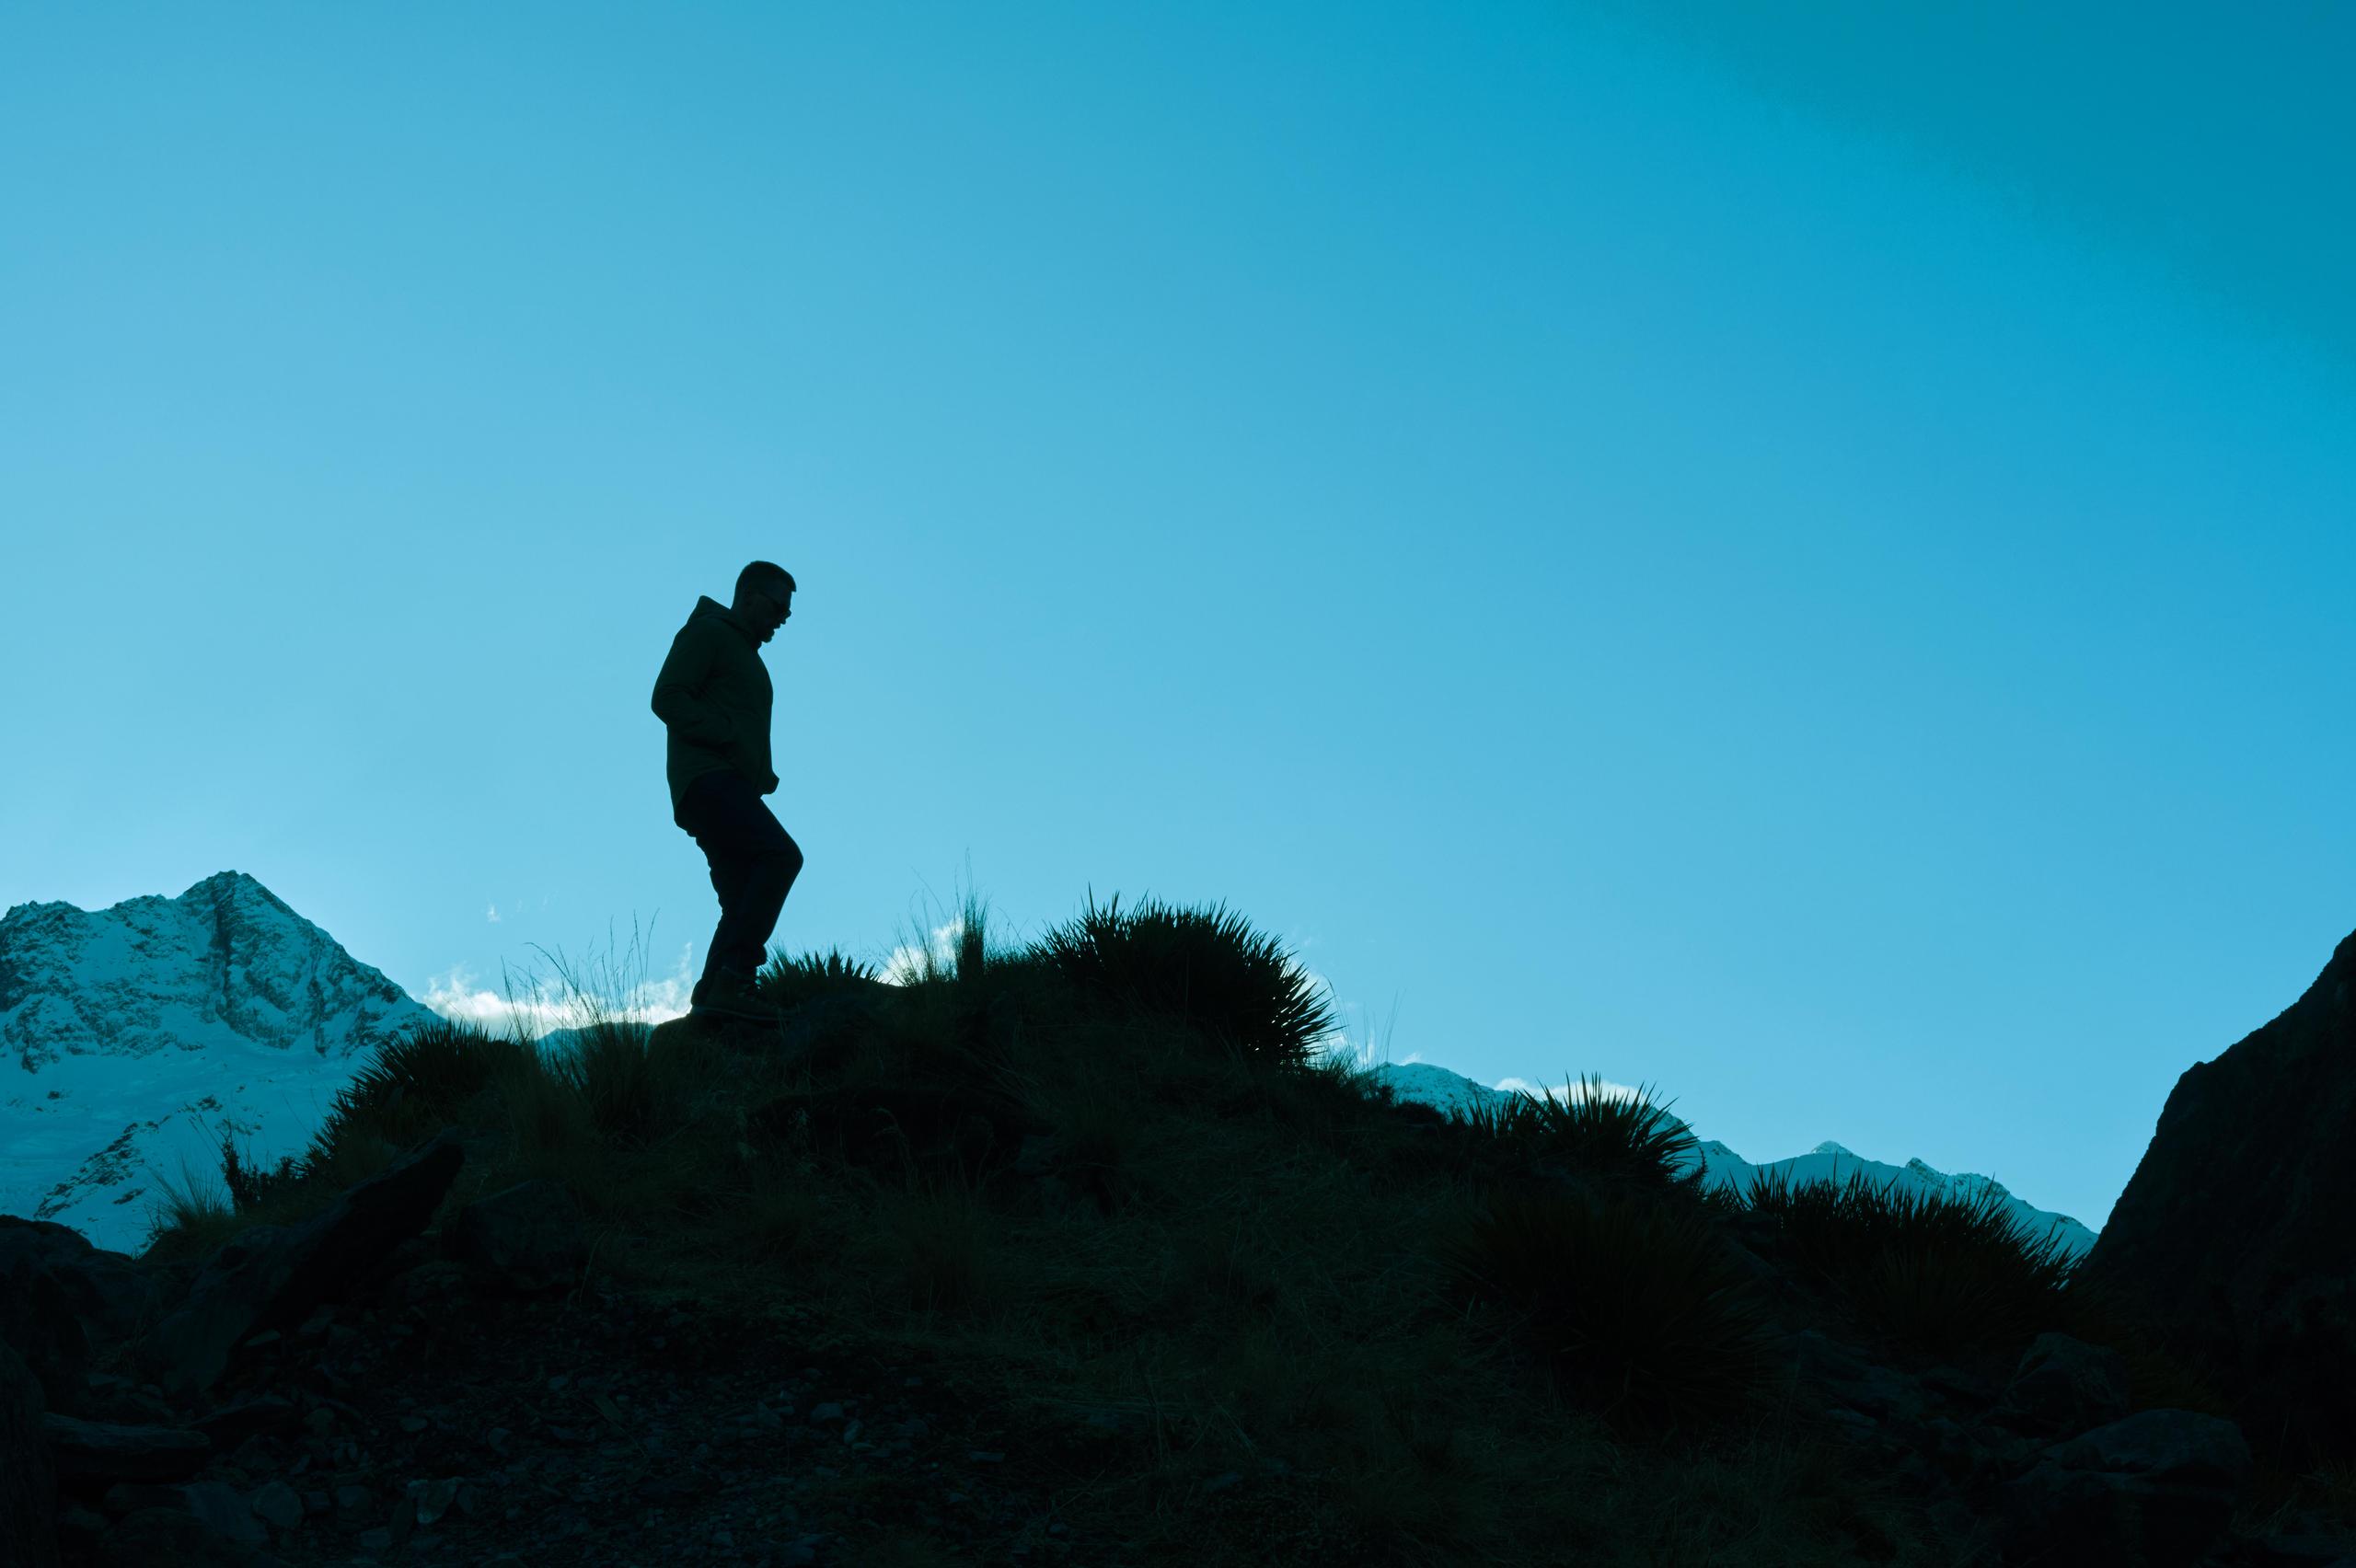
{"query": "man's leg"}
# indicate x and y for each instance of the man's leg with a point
(754, 864)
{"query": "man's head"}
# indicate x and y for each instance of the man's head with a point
(764, 597)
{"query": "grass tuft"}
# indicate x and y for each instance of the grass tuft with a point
(1204, 967)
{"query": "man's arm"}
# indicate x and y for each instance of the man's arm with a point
(682, 677)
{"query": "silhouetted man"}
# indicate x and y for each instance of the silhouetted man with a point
(713, 697)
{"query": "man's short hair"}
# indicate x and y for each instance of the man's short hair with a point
(767, 576)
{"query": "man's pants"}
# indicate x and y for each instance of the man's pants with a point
(754, 862)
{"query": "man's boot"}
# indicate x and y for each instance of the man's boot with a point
(730, 993)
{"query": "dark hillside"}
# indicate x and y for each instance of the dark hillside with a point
(1088, 1252)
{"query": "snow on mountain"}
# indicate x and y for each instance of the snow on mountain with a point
(134, 1038)
(1456, 1094)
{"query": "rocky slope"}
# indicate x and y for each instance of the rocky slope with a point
(2237, 1221)
(407, 1378)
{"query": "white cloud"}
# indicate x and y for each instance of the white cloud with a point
(493, 912)
(906, 966)
(535, 1006)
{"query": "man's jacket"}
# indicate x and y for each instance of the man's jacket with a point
(713, 697)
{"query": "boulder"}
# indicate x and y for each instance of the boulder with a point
(526, 1240)
(153, 1538)
(2153, 1490)
(28, 1482)
(2065, 1385)
(94, 1451)
(254, 1416)
(2234, 1230)
(217, 1505)
(271, 1276)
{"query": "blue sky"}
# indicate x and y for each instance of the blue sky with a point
(1803, 567)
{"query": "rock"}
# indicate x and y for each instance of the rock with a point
(2180, 1446)
(240, 1419)
(61, 1300)
(267, 1276)
(2065, 1385)
(2233, 1231)
(524, 1240)
(99, 1451)
(28, 1480)
(277, 1504)
(153, 1538)
(2153, 1490)
(123, 1403)
(223, 1511)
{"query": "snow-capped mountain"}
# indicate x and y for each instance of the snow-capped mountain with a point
(134, 1038)
(1457, 1094)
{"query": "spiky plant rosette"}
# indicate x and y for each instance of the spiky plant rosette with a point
(1633, 1304)
(787, 981)
(419, 1076)
(1595, 1134)
(1206, 967)
(1947, 1272)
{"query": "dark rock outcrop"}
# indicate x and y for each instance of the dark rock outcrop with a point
(60, 1296)
(2157, 1488)
(28, 1482)
(268, 1277)
(2233, 1232)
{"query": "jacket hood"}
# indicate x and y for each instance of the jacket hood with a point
(709, 609)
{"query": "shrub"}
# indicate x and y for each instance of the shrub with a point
(1941, 1272)
(253, 1188)
(410, 1088)
(789, 981)
(1207, 968)
(187, 1222)
(1600, 1136)
(1632, 1305)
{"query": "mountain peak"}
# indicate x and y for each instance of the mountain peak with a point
(128, 1032)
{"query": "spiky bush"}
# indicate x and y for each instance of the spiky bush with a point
(1600, 1136)
(1945, 1273)
(787, 982)
(412, 1085)
(1632, 1305)
(1205, 968)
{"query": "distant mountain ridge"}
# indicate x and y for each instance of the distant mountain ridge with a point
(131, 1036)
(1826, 1161)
